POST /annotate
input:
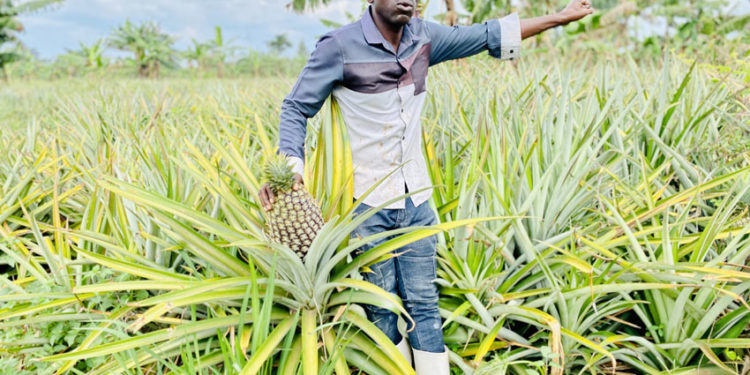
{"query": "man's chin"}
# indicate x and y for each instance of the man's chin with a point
(401, 19)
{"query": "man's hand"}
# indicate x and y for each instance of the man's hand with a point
(576, 10)
(266, 194)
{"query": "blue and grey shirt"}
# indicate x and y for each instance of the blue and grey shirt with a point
(381, 93)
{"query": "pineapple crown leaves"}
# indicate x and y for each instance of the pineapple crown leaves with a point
(278, 173)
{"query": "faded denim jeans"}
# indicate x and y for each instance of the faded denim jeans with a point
(410, 275)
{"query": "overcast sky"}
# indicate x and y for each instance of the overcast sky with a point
(248, 23)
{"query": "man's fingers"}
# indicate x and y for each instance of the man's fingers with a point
(298, 182)
(263, 197)
(578, 9)
(266, 197)
(585, 6)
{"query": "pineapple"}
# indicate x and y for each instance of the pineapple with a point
(295, 218)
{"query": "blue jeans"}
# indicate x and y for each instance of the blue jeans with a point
(410, 275)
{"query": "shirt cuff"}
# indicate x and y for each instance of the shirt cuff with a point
(298, 165)
(504, 39)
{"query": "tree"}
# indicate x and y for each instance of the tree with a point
(279, 44)
(92, 55)
(302, 51)
(213, 52)
(450, 17)
(78, 61)
(197, 53)
(69, 64)
(151, 47)
(219, 49)
(10, 26)
(306, 5)
(26, 62)
(218, 52)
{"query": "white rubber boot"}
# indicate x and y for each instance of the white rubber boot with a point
(427, 363)
(405, 350)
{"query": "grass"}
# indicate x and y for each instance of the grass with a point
(593, 217)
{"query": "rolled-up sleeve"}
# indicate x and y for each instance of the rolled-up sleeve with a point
(500, 37)
(505, 43)
(316, 81)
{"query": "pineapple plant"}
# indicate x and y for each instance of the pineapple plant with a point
(295, 218)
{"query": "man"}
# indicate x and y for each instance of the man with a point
(376, 68)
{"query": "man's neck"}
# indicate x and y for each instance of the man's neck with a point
(392, 33)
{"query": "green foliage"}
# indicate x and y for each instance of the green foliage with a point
(10, 25)
(620, 234)
(278, 173)
(481, 10)
(150, 46)
(306, 5)
(92, 55)
(699, 29)
(279, 44)
(618, 191)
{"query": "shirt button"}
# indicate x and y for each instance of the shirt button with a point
(511, 51)
(403, 138)
(402, 110)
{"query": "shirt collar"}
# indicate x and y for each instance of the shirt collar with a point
(373, 35)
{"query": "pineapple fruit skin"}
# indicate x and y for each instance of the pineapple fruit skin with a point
(294, 220)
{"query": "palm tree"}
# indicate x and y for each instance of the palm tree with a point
(213, 52)
(10, 26)
(92, 54)
(302, 51)
(197, 53)
(219, 49)
(306, 5)
(73, 62)
(151, 47)
(69, 63)
(279, 44)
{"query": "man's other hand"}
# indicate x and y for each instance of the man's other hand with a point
(266, 194)
(576, 10)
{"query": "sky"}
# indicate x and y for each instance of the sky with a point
(247, 23)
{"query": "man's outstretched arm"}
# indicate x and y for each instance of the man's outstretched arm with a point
(576, 10)
(500, 37)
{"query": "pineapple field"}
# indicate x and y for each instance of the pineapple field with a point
(593, 219)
